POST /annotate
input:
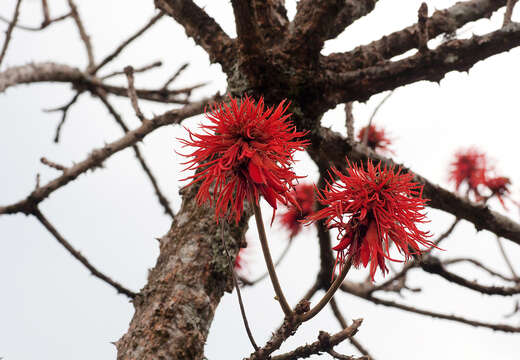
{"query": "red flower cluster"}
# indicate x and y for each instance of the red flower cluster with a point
(469, 167)
(376, 138)
(371, 209)
(245, 152)
(292, 219)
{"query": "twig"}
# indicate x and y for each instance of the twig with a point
(349, 121)
(9, 31)
(83, 34)
(174, 76)
(64, 111)
(262, 277)
(46, 15)
(125, 43)
(433, 265)
(76, 254)
(129, 71)
(509, 11)
(343, 323)
(422, 24)
(97, 156)
(339, 356)
(506, 259)
(38, 28)
(138, 70)
(329, 294)
(237, 288)
(52, 164)
(478, 264)
(269, 261)
(119, 120)
(37, 185)
(325, 342)
(373, 115)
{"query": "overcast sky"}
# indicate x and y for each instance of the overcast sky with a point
(51, 308)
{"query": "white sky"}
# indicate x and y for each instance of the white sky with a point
(51, 308)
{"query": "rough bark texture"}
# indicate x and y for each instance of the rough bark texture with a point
(174, 311)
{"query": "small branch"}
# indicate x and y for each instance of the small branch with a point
(269, 261)
(325, 343)
(125, 43)
(422, 24)
(343, 323)
(329, 294)
(174, 76)
(64, 111)
(237, 288)
(38, 28)
(506, 259)
(478, 264)
(77, 255)
(9, 31)
(349, 122)
(140, 158)
(339, 356)
(266, 274)
(499, 327)
(53, 165)
(373, 115)
(509, 11)
(138, 70)
(46, 14)
(97, 156)
(129, 71)
(433, 265)
(82, 33)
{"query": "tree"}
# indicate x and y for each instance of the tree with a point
(276, 58)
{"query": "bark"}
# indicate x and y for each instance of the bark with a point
(174, 311)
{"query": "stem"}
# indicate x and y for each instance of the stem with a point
(269, 261)
(239, 295)
(329, 294)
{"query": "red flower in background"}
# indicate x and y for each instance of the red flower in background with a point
(376, 138)
(244, 152)
(469, 167)
(499, 187)
(292, 219)
(239, 260)
(371, 209)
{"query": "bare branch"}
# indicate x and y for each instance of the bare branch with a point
(175, 76)
(509, 11)
(96, 157)
(129, 71)
(343, 323)
(140, 158)
(64, 111)
(352, 11)
(125, 43)
(442, 21)
(9, 31)
(38, 28)
(325, 343)
(506, 259)
(422, 31)
(499, 327)
(434, 265)
(454, 55)
(138, 70)
(349, 122)
(373, 115)
(77, 255)
(480, 265)
(52, 164)
(247, 31)
(82, 33)
(271, 19)
(202, 28)
(46, 14)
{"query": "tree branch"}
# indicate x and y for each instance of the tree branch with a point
(76, 254)
(9, 31)
(442, 21)
(97, 156)
(352, 11)
(202, 28)
(83, 34)
(455, 55)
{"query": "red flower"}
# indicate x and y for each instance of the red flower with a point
(292, 219)
(469, 167)
(239, 260)
(499, 187)
(371, 209)
(245, 152)
(376, 138)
